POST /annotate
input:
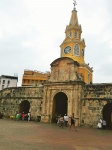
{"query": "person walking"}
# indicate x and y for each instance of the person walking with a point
(22, 116)
(65, 120)
(61, 122)
(29, 116)
(72, 122)
(15, 115)
(104, 124)
(101, 121)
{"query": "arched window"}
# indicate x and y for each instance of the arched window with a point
(70, 34)
(83, 52)
(76, 50)
(75, 34)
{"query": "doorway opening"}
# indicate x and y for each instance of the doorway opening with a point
(107, 114)
(24, 106)
(60, 105)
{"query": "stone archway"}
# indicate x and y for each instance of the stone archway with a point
(107, 114)
(24, 106)
(60, 105)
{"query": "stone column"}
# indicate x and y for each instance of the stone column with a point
(76, 106)
(45, 105)
(44, 101)
(80, 104)
(48, 102)
(70, 103)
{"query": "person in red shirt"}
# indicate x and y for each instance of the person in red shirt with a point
(22, 116)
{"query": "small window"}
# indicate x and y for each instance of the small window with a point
(8, 82)
(70, 34)
(40, 81)
(32, 81)
(75, 34)
(82, 52)
(3, 81)
(76, 50)
(2, 86)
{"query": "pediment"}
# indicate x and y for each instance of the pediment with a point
(64, 69)
(64, 60)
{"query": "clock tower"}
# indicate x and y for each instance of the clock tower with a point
(73, 46)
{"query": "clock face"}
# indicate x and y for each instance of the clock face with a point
(67, 50)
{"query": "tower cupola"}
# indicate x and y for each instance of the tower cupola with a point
(73, 45)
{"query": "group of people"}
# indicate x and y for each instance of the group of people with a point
(23, 116)
(102, 124)
(67, 121)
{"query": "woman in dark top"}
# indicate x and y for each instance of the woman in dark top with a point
(72, 122)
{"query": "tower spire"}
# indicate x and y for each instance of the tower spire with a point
(74, 4)
(73, 46)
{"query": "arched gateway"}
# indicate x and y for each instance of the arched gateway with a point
(61, 92)
(107, 114)
(24, 106)
(60, 105)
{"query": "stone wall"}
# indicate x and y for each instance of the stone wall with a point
(71, 89)
(11, 98)
(96, 96)
(86, 101)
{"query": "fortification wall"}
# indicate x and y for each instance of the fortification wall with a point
(96, 97)
(11, 98)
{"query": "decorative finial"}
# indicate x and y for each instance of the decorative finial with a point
(74, 4)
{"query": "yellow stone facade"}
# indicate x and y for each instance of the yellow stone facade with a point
(74, 47)
(69, 74)
(63, 90)
(34, 78)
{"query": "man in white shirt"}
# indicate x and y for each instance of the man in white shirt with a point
(65, 120)
(104, 124)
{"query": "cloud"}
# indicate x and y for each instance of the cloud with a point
(31, 32)
(96, 19)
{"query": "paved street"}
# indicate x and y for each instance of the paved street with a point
(24, 135)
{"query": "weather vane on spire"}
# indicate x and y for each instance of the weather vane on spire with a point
(74, 4)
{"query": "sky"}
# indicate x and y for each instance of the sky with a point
(31, 32)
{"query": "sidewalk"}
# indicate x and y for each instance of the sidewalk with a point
(24, 135)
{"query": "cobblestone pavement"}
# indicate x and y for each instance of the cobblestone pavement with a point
(24, 135)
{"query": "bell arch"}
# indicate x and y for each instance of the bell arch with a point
(107, 114)
(24, 106)
(60, 105)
